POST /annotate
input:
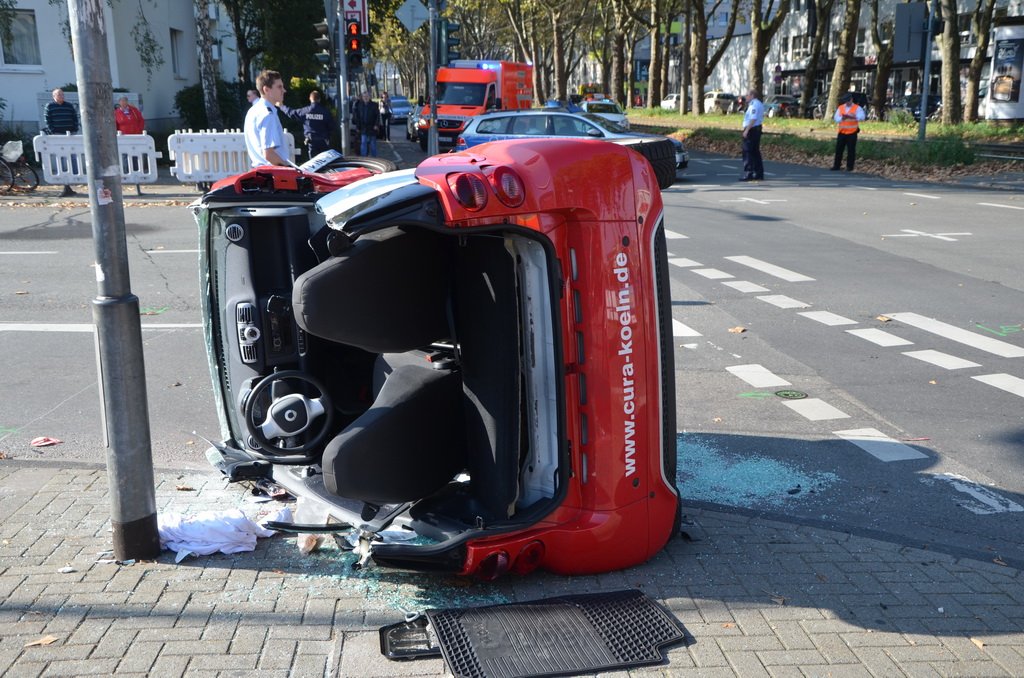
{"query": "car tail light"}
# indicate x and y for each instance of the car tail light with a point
(469, 190)
(493, 566)
(508, 187)
(529, 558)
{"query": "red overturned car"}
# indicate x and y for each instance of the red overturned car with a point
(477, 352)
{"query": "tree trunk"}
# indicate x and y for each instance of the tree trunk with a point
(684, 57)
(618, 85)
(981, 25)
(557, 57)
(844, 56)
(207, 71)
(823, 23)
(654, 70)
(949, 46)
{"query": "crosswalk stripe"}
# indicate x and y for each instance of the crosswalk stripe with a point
(683, 262)
(1002, 349)
(681, 330)
(746, 286)
(828, 318)
(782, 301)
(770, 269)
(815, 409)
(879, 445)
(712, 273)
(880, 337)
(672, 235)
(940, 359)
(757, 376)
(1006, 382)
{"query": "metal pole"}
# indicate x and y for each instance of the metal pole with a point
(923, 122)
(432, 141)
(343, 115)
(119, 357)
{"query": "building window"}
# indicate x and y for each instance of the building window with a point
(177, 50)
(23, 47)
(861, 48)
(801, 47)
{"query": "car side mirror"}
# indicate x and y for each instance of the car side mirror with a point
(594, 132)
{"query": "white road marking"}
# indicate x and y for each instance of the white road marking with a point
(171, 251)
(746, 286)
(683, 262)
(672, 235)
(940, 359)
(712, 273)
(866, 188)
(757, 376)
(87, 327)
(681, 330)
(1006, 382)
(815, 409)
(922, 195)
(770, 269)
(986, 501)
(879, 445)
(828, 318)
(748, 199)
(880, 337)
(911, 233)
(974, 340)
(995, 204)
(782, 301)
(30, 253)
(730, 166)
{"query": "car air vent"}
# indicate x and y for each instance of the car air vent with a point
(302, 342)
(248, 353)
(248, 332)
(245, 313)
(234, 232)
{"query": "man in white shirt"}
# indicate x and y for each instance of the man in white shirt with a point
(753, 166)
(264, 135)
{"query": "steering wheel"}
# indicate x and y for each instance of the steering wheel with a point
(288, 415)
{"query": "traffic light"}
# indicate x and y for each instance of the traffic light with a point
(323, 41)
(452, 41)
(353, 44)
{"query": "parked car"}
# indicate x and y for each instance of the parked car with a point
(667, 155)
(781, 106)
(723, 102)
(400, 109)
(912, 105)
(671, 102)
(609, 110)
(505, 403)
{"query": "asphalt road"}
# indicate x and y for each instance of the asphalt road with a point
(894, 309)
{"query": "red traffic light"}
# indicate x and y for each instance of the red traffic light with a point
(352, 28)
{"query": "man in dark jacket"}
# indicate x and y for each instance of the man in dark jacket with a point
(61, 118)
(366, 116)
(317, 123)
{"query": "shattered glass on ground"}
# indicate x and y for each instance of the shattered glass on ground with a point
(706, 473)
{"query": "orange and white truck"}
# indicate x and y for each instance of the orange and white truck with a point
(467, 87)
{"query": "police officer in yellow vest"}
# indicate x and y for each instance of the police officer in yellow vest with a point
(848, 116)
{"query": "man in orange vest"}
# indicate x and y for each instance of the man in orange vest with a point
(848, 116)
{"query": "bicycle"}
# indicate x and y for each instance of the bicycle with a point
(15, 171)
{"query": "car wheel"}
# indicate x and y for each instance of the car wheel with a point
(374, 165)
(662, 156)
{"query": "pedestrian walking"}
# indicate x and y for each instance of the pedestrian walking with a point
(62, 118)
(848, 117)
(753, 118)
(385, 116)
(366, 115)
(264, 135)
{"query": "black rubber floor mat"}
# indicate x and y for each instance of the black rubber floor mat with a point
(555, 636)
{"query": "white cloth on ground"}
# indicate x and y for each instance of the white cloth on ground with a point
(208, 532)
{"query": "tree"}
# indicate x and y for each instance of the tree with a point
(700, 63)
(765, 22)
(844, 56)
(207, 71)
(883, 62)
(949, 48)
(246, 23)
(822, 25)
(981, 26)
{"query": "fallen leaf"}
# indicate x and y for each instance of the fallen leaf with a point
(3, 455)
(999, 561)
(45, 640)
(884, 319)
(778, 600)
(737, 330)
(184, 488)
(822, 578)
(21, 291)
(67, 570)
(716, 419)
(932, 381)
(979, 643)
(278, 571)
(44, 441)
(177, 383)
(190, 442)
(728, 625)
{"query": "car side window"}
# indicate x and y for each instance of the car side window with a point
(571, 127)
(493, 126)
(529, 124)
